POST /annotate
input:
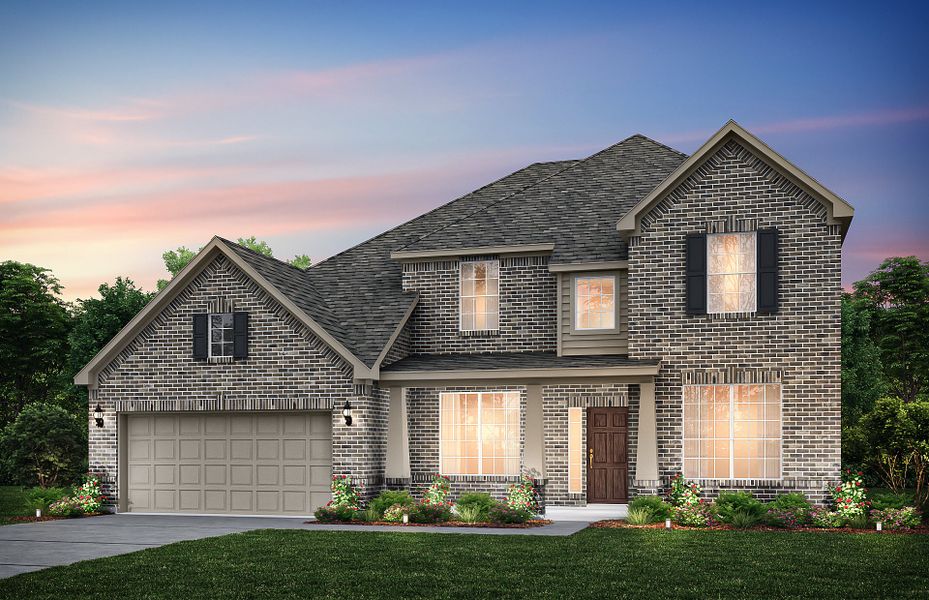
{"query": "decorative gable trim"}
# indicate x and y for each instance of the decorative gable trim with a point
(796, 182)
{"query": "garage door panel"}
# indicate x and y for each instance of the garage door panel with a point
(189, 475)
(261, 463)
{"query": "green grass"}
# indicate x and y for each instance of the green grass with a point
(596, 563)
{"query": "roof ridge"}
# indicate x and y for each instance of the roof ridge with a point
(657, 143)
(274, 258)
(523, 189)
(426, 214)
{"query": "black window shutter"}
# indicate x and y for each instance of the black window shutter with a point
(768, 283)
(696, 273)
(240, 335)
(200, 336)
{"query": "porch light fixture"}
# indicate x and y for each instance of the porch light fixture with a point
(98, 415)
(347, 412)
(667, 524)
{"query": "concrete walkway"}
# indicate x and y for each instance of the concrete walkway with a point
(33, 546)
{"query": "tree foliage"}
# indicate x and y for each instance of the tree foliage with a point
(897, 433)
(897, 297)
(862, 376)
(301, 261)
(34, 324)
(45, 445)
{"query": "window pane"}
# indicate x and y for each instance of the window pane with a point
(480, 433)
(575, 450)
(594, 302)
(731, 272)
(479, 295)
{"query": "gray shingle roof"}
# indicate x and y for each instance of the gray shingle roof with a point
(507, 360)
(357, 295)
(576, 208)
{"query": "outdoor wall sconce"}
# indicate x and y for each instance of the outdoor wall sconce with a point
(347, 412)
(98, 415)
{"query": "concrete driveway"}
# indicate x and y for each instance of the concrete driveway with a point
(34, 546)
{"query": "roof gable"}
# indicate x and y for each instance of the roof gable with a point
(88, 375)
(839, 211)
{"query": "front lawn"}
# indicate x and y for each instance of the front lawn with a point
(596, 563)
(13, 503)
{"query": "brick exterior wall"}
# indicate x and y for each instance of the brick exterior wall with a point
(528, 315)
(288, 368)
(735, 190)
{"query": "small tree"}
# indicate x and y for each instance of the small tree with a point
(45, 445)
(898, 436)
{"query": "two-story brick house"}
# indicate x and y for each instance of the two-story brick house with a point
(604, 323)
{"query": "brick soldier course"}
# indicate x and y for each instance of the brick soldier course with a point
(376, 328)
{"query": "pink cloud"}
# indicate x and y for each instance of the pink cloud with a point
(117, 115)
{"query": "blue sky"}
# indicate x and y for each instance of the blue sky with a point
(127, 131)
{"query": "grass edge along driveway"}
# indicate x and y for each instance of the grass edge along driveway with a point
(595, 563)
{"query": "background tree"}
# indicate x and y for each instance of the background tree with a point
(45, 445)
(896, 296)
(862, 375)
(175, 260)
(96, 321)
(34, 325)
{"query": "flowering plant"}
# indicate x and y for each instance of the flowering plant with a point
(849, 496)
(395, 512)
(344, 493)
(523, 496)
(820, 516)
(789, 517)
(898, 518)
(683, 492)
(88, 498)
(697, 514)
(437, 492)
(64, 508)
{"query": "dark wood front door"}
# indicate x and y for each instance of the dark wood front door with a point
(607, 468)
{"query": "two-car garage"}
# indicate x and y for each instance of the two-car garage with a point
(272, 463)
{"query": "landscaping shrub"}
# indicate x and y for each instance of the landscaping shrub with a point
(395, 513)
(694, 515)
(88, 497)
(369, 515)
(45, 445)
(503, 514)
(64, 508)
(821, 516)
(898, 436)
(898, 518)
(660, 509)
(791, 500)
(42, 498)
(849, 497)
(883, 499)
(790, 517)
(388, 498)
(524, 496)
(729, 503)
(431, 513)
(471, 513)
(641, 515)
(480, 501)
(344, 492)
(438, 491)
(857, 521)
(683, 492)
(332, 513)
(744, 519)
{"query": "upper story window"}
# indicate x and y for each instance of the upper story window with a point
(221, 334)
(480, 295)
(595, 302)
(731, 272)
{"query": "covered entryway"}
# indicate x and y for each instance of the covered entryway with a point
(607, 465)
(246, 463)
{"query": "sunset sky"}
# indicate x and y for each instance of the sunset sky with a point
(125, 132)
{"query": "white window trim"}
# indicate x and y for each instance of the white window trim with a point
(461, 296)
(754, 235)
(480, 445)
(574, 321)
(209, 336)
(780, 439)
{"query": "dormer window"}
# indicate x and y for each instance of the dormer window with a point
(480, 295)
(731, 272)
(594, 302)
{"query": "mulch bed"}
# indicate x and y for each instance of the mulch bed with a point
(44, 518)
(526, 525)
(620, 524)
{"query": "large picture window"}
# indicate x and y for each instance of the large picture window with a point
(731, 272)
(480, 295)
(595, 302)
(479, 433)
(732, 431)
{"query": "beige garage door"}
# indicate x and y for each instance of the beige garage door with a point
(248, 463)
